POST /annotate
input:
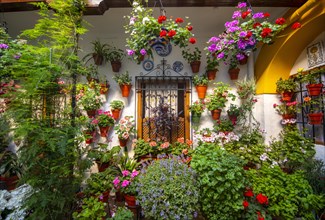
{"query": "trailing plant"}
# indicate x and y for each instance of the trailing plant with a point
(220, 176)
(191, 56)
(168, 183)
(200, 80)
(99, 49)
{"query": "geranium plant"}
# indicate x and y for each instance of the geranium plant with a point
(285, 85)
(286, 108)
(219, 96)
(125, 128)
(200, 80)
(191, 56)
(116, 104)
(127, 182)
(197, 107)
(145, 30)
(123, 79)
(105, 118)
(255, 206)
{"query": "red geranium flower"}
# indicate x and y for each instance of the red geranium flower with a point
(161, 19)
(192, 40)
(163, 33)
(296, 25)
(266, 32)
(190, 28)
(262, 199)
(245, 14)
(245, 204)
(249, 34)
(266, 15)
(249, 193)
(280, 21)
(257, 24)
(171, 33)
(179, 20)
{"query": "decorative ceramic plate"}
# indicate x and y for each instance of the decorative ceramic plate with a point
(178, 66)
(147, 65)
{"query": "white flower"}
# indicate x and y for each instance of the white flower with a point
(264, 157)
(135, 4)
(274, 163)
(145, 19)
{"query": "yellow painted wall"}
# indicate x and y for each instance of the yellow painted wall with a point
(276, 60)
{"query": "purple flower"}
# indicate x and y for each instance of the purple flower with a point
(130, 52)
(125, 183)
(233, 23)
(241, 5)
(241, 44)
(230, 42)
(17, 56)
(143, 52)
(4, 46)
(213, 40)
(125, 172)
(258, 15)
(242, 34)
(233, 29)
(236, 14)
(101, 197)
(240, 56)
(221, 55)
(212, 48)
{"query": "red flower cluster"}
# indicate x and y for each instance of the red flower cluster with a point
(190, 28)
(179, 20)
(245, 14)
(262, 199)
(249, 193)
(163, 33)
(296, 25)
(266, 32)
(259, 216)
(245, 204)
(257, 24)
(266, 14)
(171, 33)
(161, 19)
(280, 21)
(192, 40)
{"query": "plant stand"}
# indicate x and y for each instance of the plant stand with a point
(195, 65)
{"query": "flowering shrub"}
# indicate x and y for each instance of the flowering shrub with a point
(146, 30)
(105, 118)
(127, 182)
(125, 128)
(255, 206)
(197, 107)
(167, 189)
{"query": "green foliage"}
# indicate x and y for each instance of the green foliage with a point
(123, 162)
(290, 108)
(122, 213)
(9, 164)
(114, 54)
(143, 147)
(212, 63)
(105, 119)
(200, 80)
(197, 107)
(224, 125)
(90, 100)
(219, 96)
(123, 79)
(92, 208)
(102, 155)
(99, 49)
(315, 173)
(221, 181)
(245, 88)
(290, 195)
(286, 85)
(168, 183)
(312, 77)
(101, 182)
(234, 110)
(191, 56)
(116, 104)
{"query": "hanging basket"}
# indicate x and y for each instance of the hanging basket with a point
(233, 73)
(216, 114)
(211, 74)
(315, 118)
(287, 96)
(116, 65)
(314, 89)
(125, 89)
(201, 91)
(195, 65)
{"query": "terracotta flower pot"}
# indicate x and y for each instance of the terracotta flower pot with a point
(195, 65)
(104, 131)
(233, 73)
(91, 113)
(125, 89)
(102, 166)
(314, 89)
(123, 142)
(130, 200)
(201, 91)
(287, 96)
(243, 61)
(116, 113)
(288, 116)
(211, 74)
(11, 182)
(315, 118)
(116, 65)
(216, 114)
(98, 59)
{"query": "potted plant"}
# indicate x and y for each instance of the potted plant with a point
(314, 85)
(201, 85)
(122, 213)
(125, 82)
(99, 52)
(216, 167)
(233, 112)
(233, 68)
(105, 121)
(116, 107)
(90, 128)
(197, 108)
(90, 100)
(145, 149)
(288, 110)
(224, 125)
(183, 148)
(286, 87)
(212, 65)
(216, 101)
(103, 157)
(255, 205)
(115, 56)
(245, 88)
(10, 169)
(91, 73)
(313, 108)
(124, 129)
(104, 87)
(193, 58)
(168, 183)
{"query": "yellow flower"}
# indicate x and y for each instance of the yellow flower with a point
(300, 70)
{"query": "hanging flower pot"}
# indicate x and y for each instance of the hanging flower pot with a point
(216, 114)
(130, 200)
(104, 131)
(243, 61)
(288, 116)
(91, 113)
(125, 90)
(196, 117)
(98, 59)
(123, 142)
(314, 89)
(116, 113)
(116, 65)
(201, 91)
(233, 73)
(315, 118)
(195, 65)
(287, 96)
(212, 74)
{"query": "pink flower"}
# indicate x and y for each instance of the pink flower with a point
(165, 145)
(125, 172)
(180, 140)
(153, 143)
(125, 183)
(275, 105)
(116, 181)
(134, 173)
(95, 122)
